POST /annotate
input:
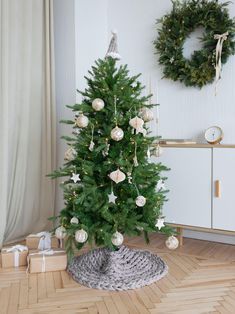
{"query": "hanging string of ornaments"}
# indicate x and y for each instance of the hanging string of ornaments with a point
(205, 65)
(137, 124)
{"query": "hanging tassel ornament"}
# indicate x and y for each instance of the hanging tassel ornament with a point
(129, 177)
(149, 154)
(113, 47)
(218, 53)
(92, 144)
(136, 164)
(145, 113)
(158, 151)
(117, 133)
(105, 152)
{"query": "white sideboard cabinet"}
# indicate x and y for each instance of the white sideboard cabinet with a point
(202, 187)
(223, 200)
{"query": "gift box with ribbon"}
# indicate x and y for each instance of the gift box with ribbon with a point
(42, 241)
(46, 260)
(14, 256)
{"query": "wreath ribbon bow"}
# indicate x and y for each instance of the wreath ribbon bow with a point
(218, 65)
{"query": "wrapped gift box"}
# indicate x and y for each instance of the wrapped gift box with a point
(14, 256)
(47, 260)
(42, 241)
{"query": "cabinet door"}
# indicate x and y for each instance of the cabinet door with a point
(189, 182)
(224, 199)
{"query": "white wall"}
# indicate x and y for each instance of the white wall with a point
(64, 31)
(91, 20)
(184, 112)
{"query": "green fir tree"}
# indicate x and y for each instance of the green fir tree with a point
(93, 155)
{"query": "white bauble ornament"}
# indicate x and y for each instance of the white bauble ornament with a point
(70, 154)
(81, 236)
(117, 176)
(140, 201)
(146, 114)
(172, 243)
(129, 177)
(74, 220)
(97, 104)
(82, 121)
(117, 134)
(60, 232)
(158, 151)
(117, 238)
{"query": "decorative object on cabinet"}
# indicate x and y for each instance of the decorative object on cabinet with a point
(214, 135)
(217, 39)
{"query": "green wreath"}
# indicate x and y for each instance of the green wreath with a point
(176, 26)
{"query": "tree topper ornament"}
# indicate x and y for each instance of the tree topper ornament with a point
(113, 47)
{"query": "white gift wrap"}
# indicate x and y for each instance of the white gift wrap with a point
(16, 249)
(45, 240)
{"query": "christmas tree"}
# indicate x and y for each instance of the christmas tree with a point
(111, 188)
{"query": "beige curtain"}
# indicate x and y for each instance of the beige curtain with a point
(27, 118)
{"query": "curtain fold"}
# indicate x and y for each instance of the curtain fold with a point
(28, 134)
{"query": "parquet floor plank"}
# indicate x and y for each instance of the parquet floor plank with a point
(201, 279)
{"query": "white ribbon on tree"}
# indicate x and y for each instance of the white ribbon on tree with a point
(218, 65)
(44, 253)
(16, 249)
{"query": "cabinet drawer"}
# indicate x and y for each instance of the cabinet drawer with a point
(189, 182)
(224, 189)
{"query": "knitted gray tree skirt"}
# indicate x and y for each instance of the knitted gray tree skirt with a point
(117, 270)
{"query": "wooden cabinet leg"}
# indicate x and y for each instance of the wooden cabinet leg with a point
(180, 235)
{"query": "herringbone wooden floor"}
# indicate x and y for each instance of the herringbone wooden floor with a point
(201, 279)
